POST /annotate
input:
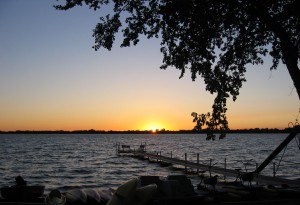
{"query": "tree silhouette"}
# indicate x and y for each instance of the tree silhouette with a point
(213, 39)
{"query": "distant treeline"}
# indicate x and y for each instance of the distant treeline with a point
(163, 131)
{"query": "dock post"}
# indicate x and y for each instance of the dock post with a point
(160, 157)
(197, 162)
(274, 169)
(256, 165)
(118, 148)
(185, 162)
(225, 165)
(171, 155)
(210, 160)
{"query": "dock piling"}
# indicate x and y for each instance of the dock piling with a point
(210, 161)
(225, 164)
(160, 157)
(197, 162)
(185, 162)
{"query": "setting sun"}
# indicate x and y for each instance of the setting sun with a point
(153, 127)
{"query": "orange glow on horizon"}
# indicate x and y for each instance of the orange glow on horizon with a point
(154, 127)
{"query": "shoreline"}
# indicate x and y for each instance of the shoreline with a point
(238, 131)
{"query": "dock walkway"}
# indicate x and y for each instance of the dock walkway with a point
(158, 158)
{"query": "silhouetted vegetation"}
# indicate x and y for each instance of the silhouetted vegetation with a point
(213, 39)
(163, 131)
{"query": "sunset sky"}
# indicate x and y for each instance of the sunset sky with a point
(52, 79)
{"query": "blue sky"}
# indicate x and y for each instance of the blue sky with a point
(51, 78)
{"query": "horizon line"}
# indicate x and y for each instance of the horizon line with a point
(147, 131)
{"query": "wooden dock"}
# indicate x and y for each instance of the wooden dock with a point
(158, 158)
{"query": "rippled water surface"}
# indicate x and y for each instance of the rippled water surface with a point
(89, 161)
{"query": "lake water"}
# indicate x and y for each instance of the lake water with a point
(69, 161)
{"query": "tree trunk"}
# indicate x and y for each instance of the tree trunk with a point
(290, 57)
(289, 51)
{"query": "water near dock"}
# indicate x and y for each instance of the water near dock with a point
(87, 161)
